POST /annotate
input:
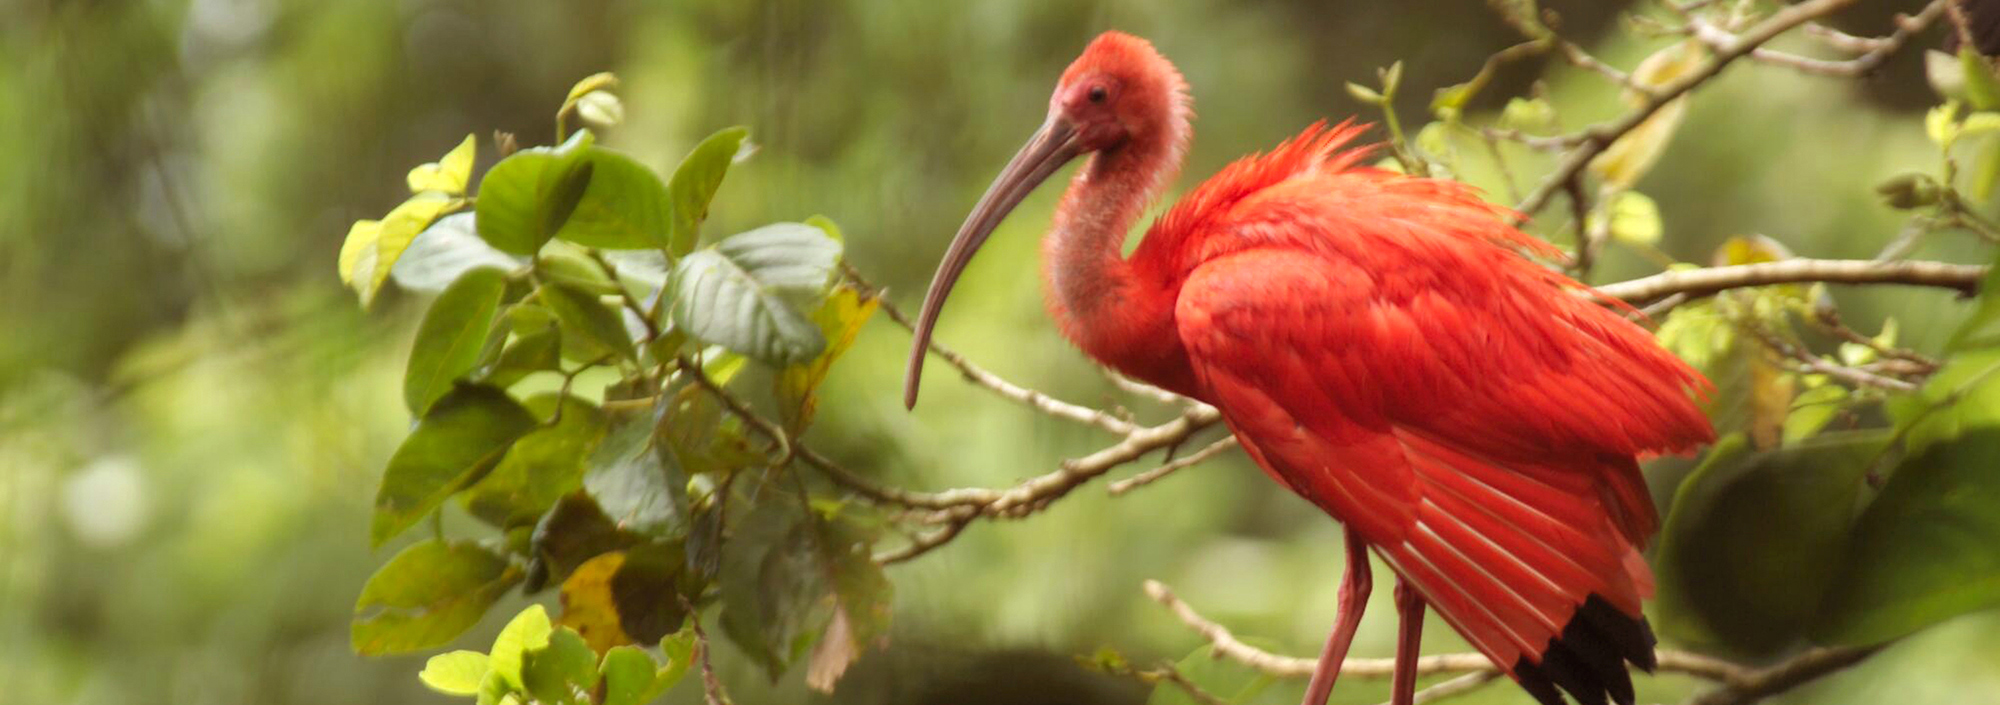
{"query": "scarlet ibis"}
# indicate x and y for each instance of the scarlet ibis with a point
(1383, 346)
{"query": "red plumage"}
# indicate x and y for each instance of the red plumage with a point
(1379, 344)
(1383, 346)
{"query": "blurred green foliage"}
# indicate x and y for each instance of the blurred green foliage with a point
(194, 416)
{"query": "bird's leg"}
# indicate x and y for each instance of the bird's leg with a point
(1353, 600)
(1410, 618)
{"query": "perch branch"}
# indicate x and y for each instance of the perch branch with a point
(1738, 684)
(1963, 278)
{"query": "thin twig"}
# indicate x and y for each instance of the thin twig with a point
(1784, 676)
(780, 440)
(1877, 50)
(1228, 646)
(978, 375)
(1599, 137)
(710, 685)
(1149, 476)
(1813, 362)
(923, 544)
(1455, 686)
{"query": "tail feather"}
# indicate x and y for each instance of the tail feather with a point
(1536, 569)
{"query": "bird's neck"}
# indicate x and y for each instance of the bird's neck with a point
(1112, 309)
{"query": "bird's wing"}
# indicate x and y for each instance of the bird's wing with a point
(1482, 438)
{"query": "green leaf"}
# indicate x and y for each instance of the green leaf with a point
(788, 577)
(455, 673)
(636, 482)
(562, 673)
(1533, 115)
(678, 650)
(1754, 539)
(1813, 410)
(1982, 89)
(527, 631)
(529, 196)
(427, 595)
(495, 691)
(770, 584)
(1635, 219)
(540, 468)
(570, 266)
(1927, 549)
(793, 258)
(531, 352)
(1962, 397)
(648, 268)
(450, 174)
(1227, 679)
(624, 208)
(694, 184)
(574, 531)
(587, 320)
(631, 677)
(464, 434)
(447, 249)
(451, 336)
(1980, 330)
(840, 320)
(738, 295)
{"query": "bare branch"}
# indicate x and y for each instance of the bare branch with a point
(1456, 686)
(1036, 493)
(1226, 644)
(1963, 278)
(1874, 51)
(923, 544)
(978, 375)
(1599, 137)
(1149, 476)
(1813, 362)
(1784, 676)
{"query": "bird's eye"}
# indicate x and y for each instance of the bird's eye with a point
(1098, 94)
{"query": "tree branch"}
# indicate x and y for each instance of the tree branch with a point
(1599, 137)
(1149, 476)
(1963, 278)
(979, 376)
(1738, 684)
(1875, 51)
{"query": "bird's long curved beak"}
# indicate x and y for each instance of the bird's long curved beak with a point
(1052, 146)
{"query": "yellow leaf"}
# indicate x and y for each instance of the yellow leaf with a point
(1752, 249)
(1628, 159)
(368, 268)
(1633, 155)
(603, 81)
(1941, 123)
(449, 174)
(1635, 219)
(1666, 66)
(588, 605)
(357, 254)
(840, 320)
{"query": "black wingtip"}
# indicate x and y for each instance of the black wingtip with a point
(1588, 659)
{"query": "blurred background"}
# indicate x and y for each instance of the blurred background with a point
(194, 412)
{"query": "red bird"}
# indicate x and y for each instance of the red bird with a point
(1380, 345)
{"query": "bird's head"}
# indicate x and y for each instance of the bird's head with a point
(1121, 95)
